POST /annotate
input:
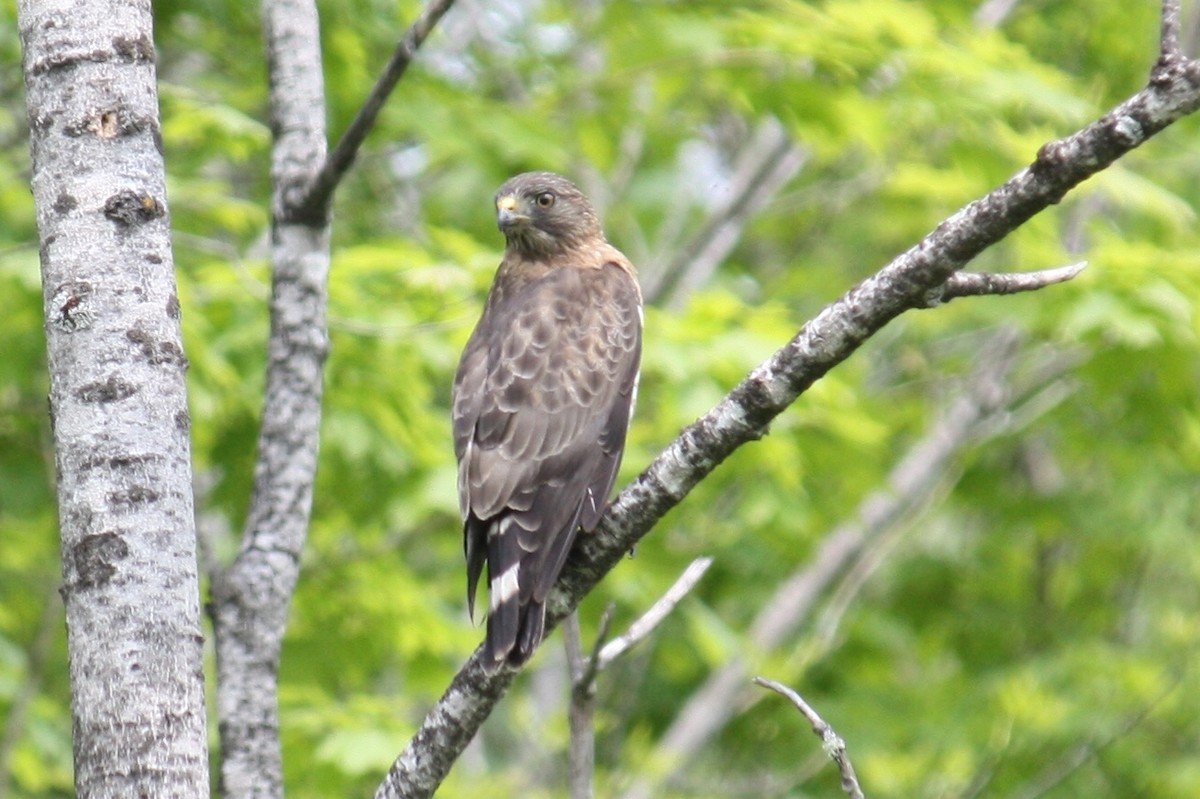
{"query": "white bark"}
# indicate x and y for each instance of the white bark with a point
(117, 399)
(251, 598)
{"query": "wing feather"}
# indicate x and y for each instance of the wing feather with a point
(542, 401)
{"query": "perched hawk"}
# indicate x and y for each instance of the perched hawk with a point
(542, 400)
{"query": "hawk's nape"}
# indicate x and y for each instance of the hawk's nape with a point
(542, 400)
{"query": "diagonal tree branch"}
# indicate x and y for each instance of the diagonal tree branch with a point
(645, 624)
(1172, 92)
(767, 162)
(585, 670)
(313, 204)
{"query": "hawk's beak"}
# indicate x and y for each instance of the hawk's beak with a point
(508, 212)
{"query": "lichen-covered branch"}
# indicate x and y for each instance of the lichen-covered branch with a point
(251, 597)
(1172, 92)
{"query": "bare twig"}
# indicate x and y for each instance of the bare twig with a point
(585, 670)
(584, 678)
(313, 204)
(581, 767)
(1169, 38)
(646, 623)
(831, 742)
(976, 284)
(767, 162)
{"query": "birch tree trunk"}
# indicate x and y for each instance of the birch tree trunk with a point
(251, 597)
(117, 400)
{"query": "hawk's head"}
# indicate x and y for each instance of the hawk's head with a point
(541, 213)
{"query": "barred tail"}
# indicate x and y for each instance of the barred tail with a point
(504, 587)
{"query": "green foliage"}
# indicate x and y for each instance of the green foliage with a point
(1015, 620)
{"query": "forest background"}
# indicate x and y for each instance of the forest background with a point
(1022, 624)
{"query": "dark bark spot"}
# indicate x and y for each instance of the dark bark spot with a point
(110, 390)
(173, 306)
(143, 339)
(117, 462)
(64, 203)
(156, 352)
(109, 123)
(129, 208)
(69, 315)
(170, 352)
(95, 558)
(134, 495)
(40, 122)
(134, 48)
(183, 422)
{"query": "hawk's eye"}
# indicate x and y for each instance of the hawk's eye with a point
(545, 199)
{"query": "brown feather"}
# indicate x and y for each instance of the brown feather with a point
(542, 400)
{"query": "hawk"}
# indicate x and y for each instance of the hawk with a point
(542, 400)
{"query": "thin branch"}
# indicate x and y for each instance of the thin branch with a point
(581, 764)
(831, 742)
(585, 670)
(645, 624)
(827, 340)
(314, 203)
(976, 284)
(1169, 38)
(584, 678)
(251, 597)
(766, 163)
